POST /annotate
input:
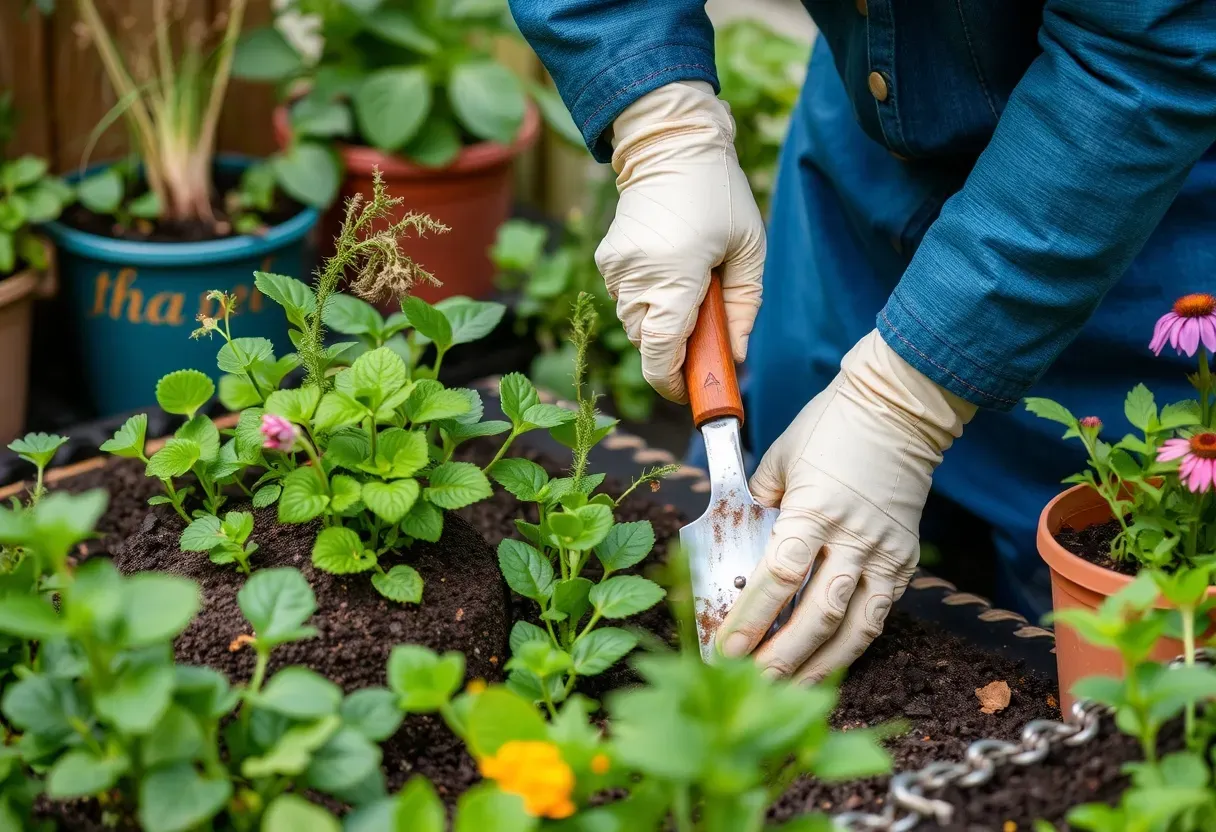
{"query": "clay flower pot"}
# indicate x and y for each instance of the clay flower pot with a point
(17, 294)
(472, 196)
(1075, 582)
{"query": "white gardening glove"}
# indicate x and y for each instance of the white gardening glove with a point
(851, 476)
(685, 208)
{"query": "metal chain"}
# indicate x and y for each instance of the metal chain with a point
(908, 802)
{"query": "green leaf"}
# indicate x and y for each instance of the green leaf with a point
(569, 600)
(1179, 415)
(178, 798)
(554, 111)
(404, 451)
(418, 807)
(487, 99)
(277, 602)
(625, 595)
(523, 632)
(519, 245)
(300, 693)
(295, 296)
(380, 371)
(392, 104)
(429, 321)
(541, 659)
(547, 416)
(521, 477)
(339, 551)
(391, 501)
(595, 521)
(184, 391)
(849, 755)
(625, 545)
(102, 193)
(263, 54)
(422, 679)
(146, 206)
(81, 773)
(8, 253)
(352, 316)
(128, 441)
(292, 813)
(455, 485)
(343, 762)
(1140, 407)
(436, 144)
(517, 395)
(1104, 689)
(267, 495)
(174, 459)
(470, 320)
(22, 172)
(29, 617)
(430, 402)
(294, 405)
(242, 354)
(135, 702)
(601, 649)
(308, 172)
(37, 448)
(346, 492)
(498, 717)
(292, 752)
(526, 570)
(304, 496)
(1047, 409)
(484, 807)
(175, 738)
(49, 708)
(203, 432)
(399, 26)
(158, 607)
(402, 584)
(203, 534)
(372, 712)
(424, 522)
(338, 410)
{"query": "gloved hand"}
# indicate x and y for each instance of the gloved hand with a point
(685, 208)
(851, 475)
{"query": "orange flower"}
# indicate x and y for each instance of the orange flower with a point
(536, 772)
(475, 686)
(600, 764)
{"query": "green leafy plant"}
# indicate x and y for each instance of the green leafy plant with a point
(696, 747)
(549, 278)
(171, 100)
(38, 449)
(28, 196)
(1176, 790)
(574, 525)
(761, 72)
(409, 77)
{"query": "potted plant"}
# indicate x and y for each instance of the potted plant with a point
(28, 196)
(414, 90)
(1143, 502)
(151, 235)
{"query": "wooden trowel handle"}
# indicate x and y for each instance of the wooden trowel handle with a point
(709, 369)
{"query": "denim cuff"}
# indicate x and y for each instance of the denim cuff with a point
(907, 330)
(607, 94)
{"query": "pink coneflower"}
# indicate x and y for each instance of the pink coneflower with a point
(1193, 319)
(280, 434)
(1198, 454)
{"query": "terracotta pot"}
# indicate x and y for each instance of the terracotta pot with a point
(472, 196)
(1077, 583)
(17, 294)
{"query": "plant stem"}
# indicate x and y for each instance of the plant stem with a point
(1188, 648)
(259, 671)
(507, 444)
(548, 699)
(1205, 387)
(682, 809)
(595, 619)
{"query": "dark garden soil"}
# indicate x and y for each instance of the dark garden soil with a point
(1093, 544)
(179, 231)
(915, 672)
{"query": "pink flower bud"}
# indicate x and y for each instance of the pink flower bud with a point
(280, 434)
(1092, 422)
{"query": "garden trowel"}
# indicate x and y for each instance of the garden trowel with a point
(726, 543)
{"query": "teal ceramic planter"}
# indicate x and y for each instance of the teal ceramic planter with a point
(134, 304)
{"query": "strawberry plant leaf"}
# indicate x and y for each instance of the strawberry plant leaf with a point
(418, 808)
(295, 296)
(304, 496)
(267, 495)
(601, 649)
(339, 551)
(343, 762)
(137, 699)
(428, 321)
(424, 522)
(625, 595)
(277, 602)
(346, 492)
(183, 392)
(292, 813)
(524, 631)
(39, 448)
(243, 354)
(158, 607)
(470, 320)
(202, 431)
(338, 410)
(625, 544)
(174, 459)
(455, 485)
(570, 599)
(390, 501)
(81, 773)
(486, 807)
(203, 534)
(350, 315)
(300, 693)
(402, 584)
(29, 617)
(422, 679)
(547, 416)
(379, 372)
(526, 570)
(404, 452)
(429, 401)
(296, 405)
(176, 737)
(292, 752)
(178, 797)
(128, 441)
(238, 392)
(566, 435)
(372, 712)
(521, 477)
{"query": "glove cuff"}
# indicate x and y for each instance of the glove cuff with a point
(673, 109)
(880, 374)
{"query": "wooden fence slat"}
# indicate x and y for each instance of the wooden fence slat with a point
(245, 125)
(24, 70)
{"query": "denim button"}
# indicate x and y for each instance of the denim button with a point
(878, 86)
(862, 9)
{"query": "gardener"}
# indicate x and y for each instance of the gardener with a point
(975, 197)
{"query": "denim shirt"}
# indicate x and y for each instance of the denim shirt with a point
(1040, 144)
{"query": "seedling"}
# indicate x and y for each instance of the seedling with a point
(225, 541)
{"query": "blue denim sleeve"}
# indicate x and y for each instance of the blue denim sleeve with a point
(606, 54)
(1089, 153)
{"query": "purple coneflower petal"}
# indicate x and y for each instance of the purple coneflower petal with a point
(1207, 332)
(1201, 479)
(1187, 467)
(1175, 328)
(1161, 332)
(1173, 449)
(1188, 336)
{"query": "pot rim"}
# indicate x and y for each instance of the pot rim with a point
(19, 286)
(211, 252)
(473, 158)
(1098, 579)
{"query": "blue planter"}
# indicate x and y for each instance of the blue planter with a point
(135, 304)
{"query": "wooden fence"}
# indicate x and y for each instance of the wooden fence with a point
(62, 94)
